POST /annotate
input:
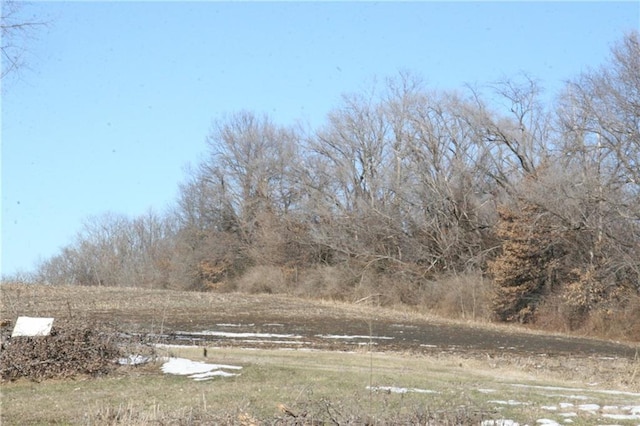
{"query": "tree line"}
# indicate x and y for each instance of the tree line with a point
(401, 186)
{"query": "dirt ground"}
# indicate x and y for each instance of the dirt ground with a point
(413, 336)
(210, 319)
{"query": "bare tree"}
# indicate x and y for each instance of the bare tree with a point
(515, 131)
(239, 205)
(397, 179)
(15, 28)
(588, 244)
(250, 163)
(599, 117)
(113, 250)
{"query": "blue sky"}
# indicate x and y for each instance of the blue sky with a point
(118, 97)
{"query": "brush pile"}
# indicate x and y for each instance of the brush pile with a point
(71, 349)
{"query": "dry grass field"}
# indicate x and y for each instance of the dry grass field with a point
(313, 362)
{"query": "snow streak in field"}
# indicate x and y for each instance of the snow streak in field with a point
(240, 335)
(349, 337)
(395, 389)
(197, 370)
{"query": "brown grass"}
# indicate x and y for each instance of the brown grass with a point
(148, 310)
(620, 322)
(459, 296)
(314, 385)
(323, 386)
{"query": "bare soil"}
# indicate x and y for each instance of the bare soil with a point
(211, 319)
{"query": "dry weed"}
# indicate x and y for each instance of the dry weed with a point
(262, 279)
(71, 349)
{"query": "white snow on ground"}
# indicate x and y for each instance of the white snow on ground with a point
(336, 336)
(275, 342)
(510, 402)
(198, 377)
(234, 325)
(622, 416)
(547, 422)
(134, 360)
(559, 388)
(241, 335)
(555, 395)
(175, 346)
(501, 422)
(394, 389)
(591, 408)
(568, 411)
(633, 409)
(197, 370)
(404, 326)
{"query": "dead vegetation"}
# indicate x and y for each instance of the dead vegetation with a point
(319, 387)
(70, 350)
(323, 411)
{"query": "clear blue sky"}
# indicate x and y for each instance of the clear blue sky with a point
(120, 96)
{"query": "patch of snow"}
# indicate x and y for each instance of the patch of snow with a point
(632, 409)
(404, 326)
(591, 408)
(394, 389)
(549, 407)
(428, 346)
(621, 416)
(241, 335)
(501, 422)
(509, 402)
(555, 395)
(487, 390)
(197, 370)
(134, 360)
(277, 342)
(556, 388)
(349, 337)
(183, 366)
(209, 375)
(559, 388)
(616, 392)
(507, 348)
(569, 414)
(565, 404)
(547, 422)
(224, 324)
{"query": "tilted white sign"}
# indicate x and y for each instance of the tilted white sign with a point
(30, 326)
